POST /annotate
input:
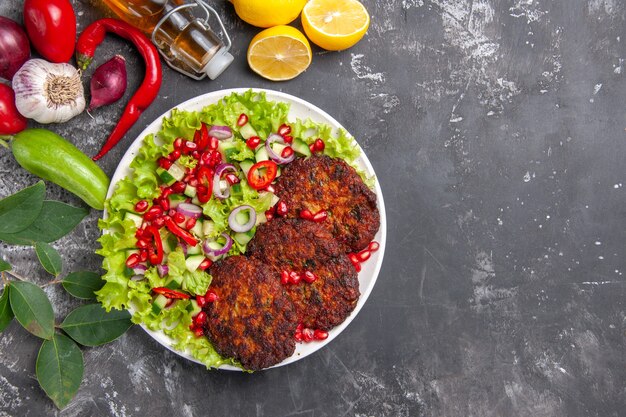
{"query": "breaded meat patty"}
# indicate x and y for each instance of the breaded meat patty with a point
(296, 245)
(253, 320)
(324, 183)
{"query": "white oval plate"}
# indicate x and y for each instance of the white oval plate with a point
(299, 109)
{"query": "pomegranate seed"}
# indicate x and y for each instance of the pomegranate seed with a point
(178, 143)
(211, 296)
(200, 318)
(132, 260)
(139, 233)
(288, 139)
(192, 327)
(306, 214)
(159, 222)
(284, 277)
(312, 147)
(232, 178)
(319, 145)
(353, 258)
(142, 244)
(242, 120)
(205, 264)
(287, 152)
(284, 129)
(253, 142)
(178, 218)
(201, 301)
(178, 187)
(198, 332)
(171, 212)
(141, 206)
(294, 278)
(164, 203)
(300, 327)
(281, 208)
(153, 213)
(298, 336)
(214, 143)
(165, 163)
(320, 334)
(174, 155)
(190, 146)
(373, 246)
(357, 267)
(190, 223)
(166, 192)
(364, 255)
(308, 334)
(216, 159)
(143, 255)
(269, 215)
(320, 216)
(309, 277)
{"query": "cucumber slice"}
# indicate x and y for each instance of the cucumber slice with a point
(247, 131)
(165, 176)
(208, 227)
(300, 147)
(197, 229)
(227, 148)
(138, 220)
(176, 199)
(174, 283)
(177, 171)
(244, 237)
(236, 190)
(193, 262)
(261, 154)
(245, 166)
(193, 308)
(159, 303)
(190, 191)
(194, 250)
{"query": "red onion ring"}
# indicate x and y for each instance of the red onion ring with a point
(217, 187)
(238, 227)
(221, 132)
(189, 210)
(213, 254)
(140, 269)
(275, 138)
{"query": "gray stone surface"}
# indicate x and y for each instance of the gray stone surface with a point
(496, 129)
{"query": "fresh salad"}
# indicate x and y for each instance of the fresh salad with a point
(196, 192)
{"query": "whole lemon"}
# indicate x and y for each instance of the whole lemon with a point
(268, 13)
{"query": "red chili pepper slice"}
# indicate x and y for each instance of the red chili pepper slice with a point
(88, 41)
(262, 174)
(201, 137)
(156, 257)
(205, 178)
(171, 294)
(180, 232)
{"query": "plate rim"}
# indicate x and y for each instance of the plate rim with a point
(205, 99)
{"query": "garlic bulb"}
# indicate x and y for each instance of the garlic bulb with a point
(48, 93)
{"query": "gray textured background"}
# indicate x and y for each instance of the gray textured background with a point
(497, 130)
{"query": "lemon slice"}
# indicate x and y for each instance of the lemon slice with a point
(335, 25)
(279, 53)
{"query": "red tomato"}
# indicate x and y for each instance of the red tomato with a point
(11, 121)
(262, 174)
(51, 27)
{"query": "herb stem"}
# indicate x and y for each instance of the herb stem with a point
(15, 275)
(3, 141)
(56, 281)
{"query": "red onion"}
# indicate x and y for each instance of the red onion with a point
(221, 132)
(238, 227)
(140, 269)
(217, 186)
(108, 82)
(274, 138)
(163, 270)
(213, 254)
(189, 210)
(14, 47)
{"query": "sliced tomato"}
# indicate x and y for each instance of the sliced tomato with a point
(262, 174)
(171, 294)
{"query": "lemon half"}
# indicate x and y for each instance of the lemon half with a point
(335, 24)
(268, 13)
(279, 53)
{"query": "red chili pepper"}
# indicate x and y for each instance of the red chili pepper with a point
(156, 258)
(180, 232)
(171, 294)
(262, 174)
(201, 137)
(90, 39)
